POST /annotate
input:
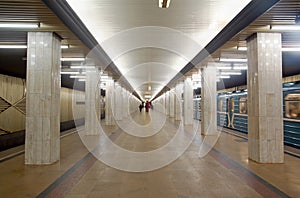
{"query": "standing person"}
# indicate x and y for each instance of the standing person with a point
(147, 106)
(141, 107)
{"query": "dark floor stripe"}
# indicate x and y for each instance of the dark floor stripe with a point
(71, 177)
(54, 190)
(257, 183)
(251, 179)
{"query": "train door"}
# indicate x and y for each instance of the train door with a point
(230, 105)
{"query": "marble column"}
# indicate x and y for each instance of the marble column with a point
(178, 99)
(208, 100)
(91, 102)
(42, 141)
(124, 103)
(109, 102)
(188, 102)
(172, 106)
(264, 84)
(118, 107)
(167, 103)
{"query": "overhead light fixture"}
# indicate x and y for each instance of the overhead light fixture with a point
(149, 88)
(225, 67)
(13, 46)
(231, 73)
(69, 72)
(78, 76)
(284, 27)
(82, 67)
(81, 79)
(244, 67)
(19, 25)
(64, 46)
(290, 49)
(72, 59)
(233, 60)
(147, 96)
(239, 48)
(224, 76)
(9, 46)
(164, 3)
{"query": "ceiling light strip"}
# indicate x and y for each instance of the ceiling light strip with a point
(19, 25)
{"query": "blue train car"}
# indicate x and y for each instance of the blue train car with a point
(232, 112)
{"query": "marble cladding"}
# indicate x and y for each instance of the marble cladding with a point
(92, 102)
(42, 143)
(188, 102)
(178, 101)
(118, 105)
(208, 100)
(265, 124)
(172, 103)
(109, 98)
(167, 104)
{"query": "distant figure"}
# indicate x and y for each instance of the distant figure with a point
(147, 106)
(141, 107)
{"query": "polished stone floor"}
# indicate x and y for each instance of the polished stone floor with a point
(224, 172)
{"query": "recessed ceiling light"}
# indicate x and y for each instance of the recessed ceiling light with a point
(290, 49)
(233, 59)
(164, 3)
(24, 46)
(72, 59)
(69, 72)
(241, 48)
(284, 27)
(19, 25)
(13, 46)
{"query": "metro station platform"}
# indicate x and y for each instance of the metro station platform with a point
(224, 172)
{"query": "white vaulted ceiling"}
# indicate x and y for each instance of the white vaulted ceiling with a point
(150, 45)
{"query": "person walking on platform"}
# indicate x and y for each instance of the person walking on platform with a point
(147, 106)
(141, 107)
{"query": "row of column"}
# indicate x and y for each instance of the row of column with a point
(265, 121)
(265, 130)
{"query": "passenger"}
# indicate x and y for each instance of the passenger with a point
(147, 106)
(141, 107)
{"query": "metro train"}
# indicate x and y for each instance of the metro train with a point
(232, 112)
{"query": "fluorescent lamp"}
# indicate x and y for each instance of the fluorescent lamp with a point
(82, 79)
(241, 48)
(147, 96)
(290, 49)
(13, 46)
(64, 46)
(72, 59)
(78, 76)
(284, 27)
(240, 67)
(233, 59)
(231, 73)
(226, 67)
(164, 3)
(69, 72)
(224, 76)
(19, 25)
(82, 67)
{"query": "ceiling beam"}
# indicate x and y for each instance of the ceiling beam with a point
(65, 13)
(249, 14)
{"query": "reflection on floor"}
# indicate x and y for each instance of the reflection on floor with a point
(224, 172)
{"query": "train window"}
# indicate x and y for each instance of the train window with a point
(232, 105)
(220, 105)
(292, 106)
(243, 105)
